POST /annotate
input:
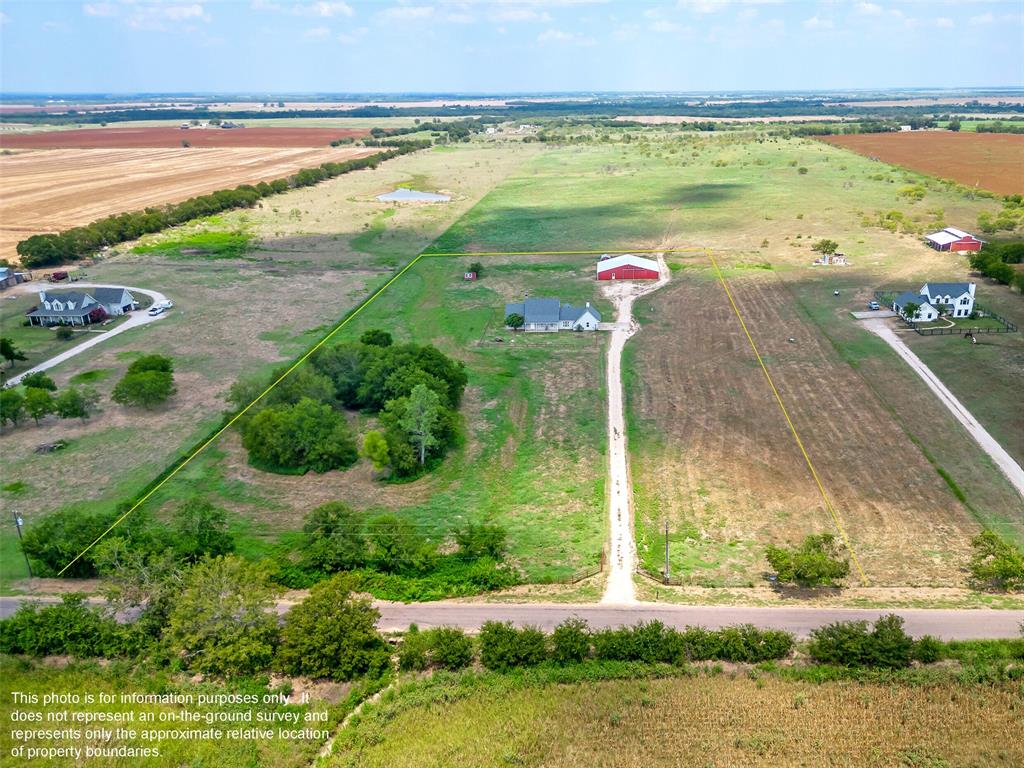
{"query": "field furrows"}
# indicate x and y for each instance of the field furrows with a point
(729, 475)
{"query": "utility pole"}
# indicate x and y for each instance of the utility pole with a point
(17, 523)
(667, 574)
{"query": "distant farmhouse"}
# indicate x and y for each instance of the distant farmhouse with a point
(403, 195)
(934, 299)
(8, 277)
(81, 308)
(953, 239)
(551, 316)
(627, 267)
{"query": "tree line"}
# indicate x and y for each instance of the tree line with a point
(80, 242)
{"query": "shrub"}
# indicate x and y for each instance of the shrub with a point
(503, 647)
(58, 538)
(333, 634)
(814, 563)
(412, 653)
(852, 644)
(75, 403)
(158, 363)
(201, 529)
(144, 388)
(65, 333)
(571, 641)
(39, 380)
(996, 563)
(70, 627)
(746, 643)
(304, 436)
(220, 623)
(334, 539)
(450, 648)
(12, 406)
(476, 541)
(39, 403)
(928, 649)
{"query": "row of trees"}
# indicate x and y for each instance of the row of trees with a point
(80, 242)
(299, 425)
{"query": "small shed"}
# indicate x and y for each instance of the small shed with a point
(469, 275)
(627, 267)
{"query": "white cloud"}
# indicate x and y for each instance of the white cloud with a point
(747, 14)
(815, 22)
(407, 13)
(318, 33)
(324, 9)
(985, 18)
(869, 9)
(564, 38)
(944, 23)
(353, 37)
(664, 25)
(4, 19)
(511, 14)
(99, 9)
(460, 18)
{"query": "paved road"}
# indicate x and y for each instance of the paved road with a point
(134, 320)
(1013, 471)
(948, 624)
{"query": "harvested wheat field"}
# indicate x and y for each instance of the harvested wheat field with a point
(137, 137)
(50, 190)
(993, 161)
(713, 454)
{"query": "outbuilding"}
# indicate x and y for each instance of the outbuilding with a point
(953, 239)
(627, 267)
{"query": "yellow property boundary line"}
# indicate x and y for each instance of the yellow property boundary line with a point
(796, 435)
(423, 254)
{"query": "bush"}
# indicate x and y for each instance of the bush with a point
(158, 363)
(333, 634)
(852, 644)
(220, 622)
(334, 539)
(412, 653)
(996, 564)
(306, 436)
(144, 388)
(200, 530)
(746, 643)
(571, 641)
(70, 627)
(503, 647)
(39, 380)
(814, 563)
(54, 541)
(65, 333)
(928, 650)
(450, 648)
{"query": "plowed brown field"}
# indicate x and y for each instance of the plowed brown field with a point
(725, 471)
(156, 137)
(993, 161)
(50, 190)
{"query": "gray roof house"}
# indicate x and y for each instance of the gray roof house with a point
(925, 311)
(551, 316)
(74, 307)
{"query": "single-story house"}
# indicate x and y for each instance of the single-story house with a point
(956, 299)
(75, 307)
(953, 239)
(403, 195)
(627, 267)
(551, 316)
(925, 312)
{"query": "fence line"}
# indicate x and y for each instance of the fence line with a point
(886, 298)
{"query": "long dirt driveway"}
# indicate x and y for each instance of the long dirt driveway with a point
(622, 556)
(1013, 471)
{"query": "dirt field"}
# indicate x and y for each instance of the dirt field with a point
(44, 191)
(993, 161)
(726, 471)
(157, 137)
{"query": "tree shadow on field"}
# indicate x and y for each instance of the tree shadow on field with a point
(697, 195)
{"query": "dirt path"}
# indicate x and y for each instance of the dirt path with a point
(1013, 471)
(135, 319)
(622, 554)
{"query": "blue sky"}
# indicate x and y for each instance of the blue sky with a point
(516, 46)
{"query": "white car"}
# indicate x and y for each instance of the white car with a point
(155, 310)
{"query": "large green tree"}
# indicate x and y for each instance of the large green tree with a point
(815, 563)
(420, 420)
(9, 351)
(39, 403)
(334, 539)
(12, 406)
(75, 403)
(144, 388)
(200, 530)
(221, 622)
(333, 634)
(306, 436)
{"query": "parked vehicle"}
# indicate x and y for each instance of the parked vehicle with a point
(874, 305)
(155, 310)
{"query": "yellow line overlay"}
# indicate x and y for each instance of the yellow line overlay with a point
(327, 338)
(796, 436)
(242, 412)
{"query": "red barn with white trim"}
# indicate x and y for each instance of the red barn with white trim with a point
(953, 239)
(627, 267)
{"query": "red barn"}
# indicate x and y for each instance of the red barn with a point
(627, 267)
(953, 239)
